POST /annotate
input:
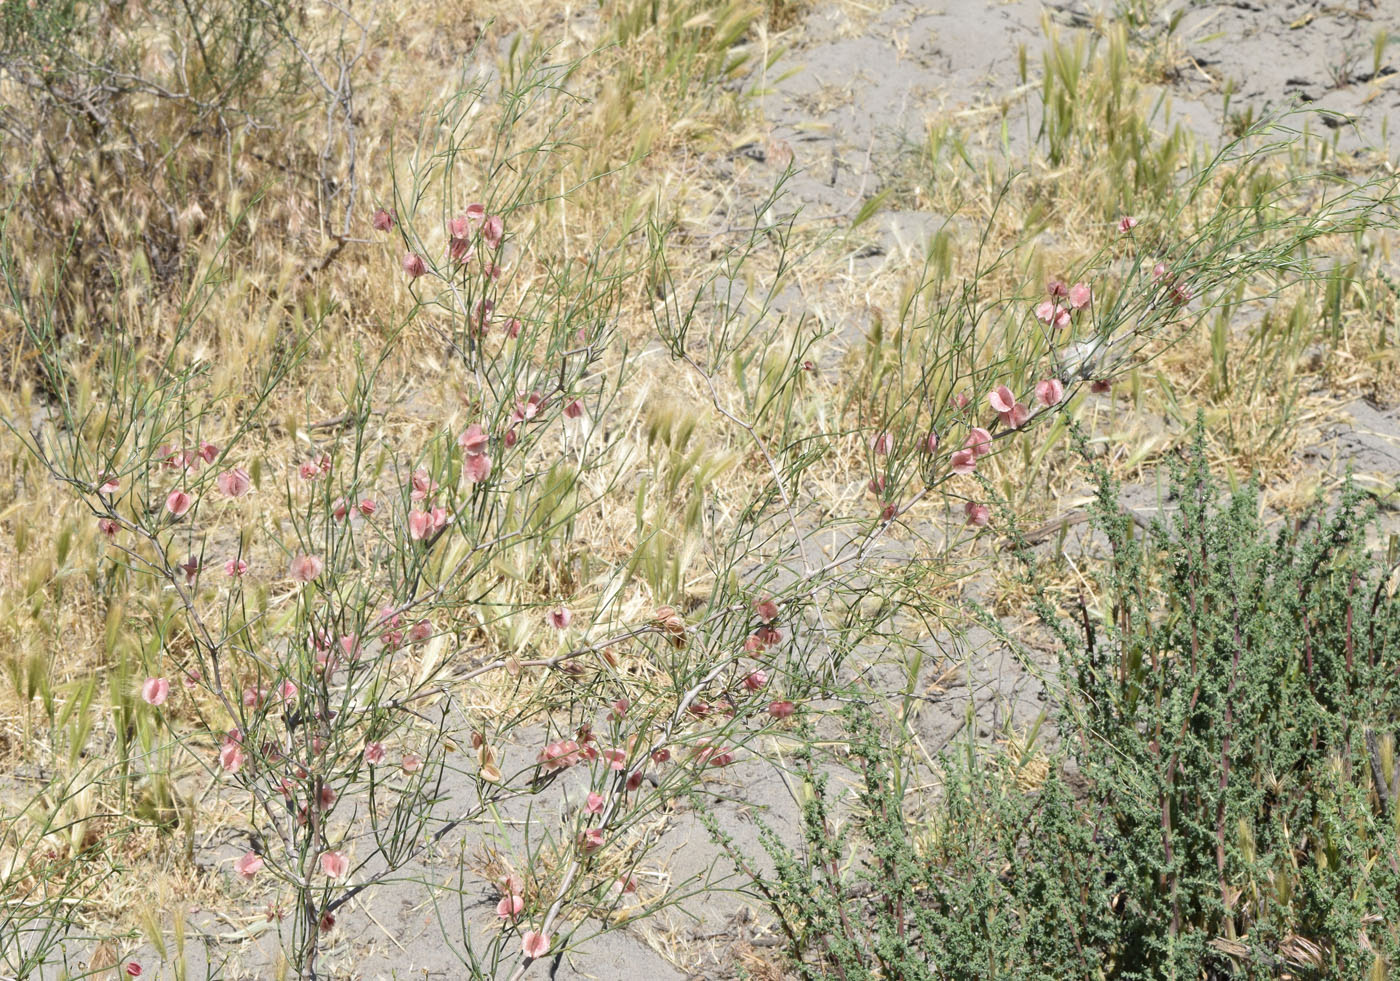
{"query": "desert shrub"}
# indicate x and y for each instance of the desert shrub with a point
(1222, 803)
(319, 588)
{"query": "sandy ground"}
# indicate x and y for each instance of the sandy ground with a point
(910, 62)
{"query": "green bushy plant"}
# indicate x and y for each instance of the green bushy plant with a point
(1233, 712)
(1222, 803)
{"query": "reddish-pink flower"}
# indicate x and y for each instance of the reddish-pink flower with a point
(411, 762)
(133, 969)
(109, 485)
(510, 907)
(1049, 391)
(108, 527)
(414, 265)
(766, 609)
(178, 502)
(1127, 223)
(882, 443)
(591, 840)
(155, 691)
(335, 864)
(1080, 296)
(534, 944)
(248, 865)
(756, 680)
(367, 506)
(929, 444)
(560, 617)
(594, 804)
(382, 220)
(235, 567)
(978, 515)
(306, 567)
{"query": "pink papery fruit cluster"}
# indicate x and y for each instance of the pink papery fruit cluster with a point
(534, 944)
(976, 445)
(781, 709)
(1012, 413)
(248, 865)
(155, 691)
(335, 864)
(235, 482)
(564, 753)
(707, 753)
(476, 464)
(425, 522)
(188, 458)
(1178, 293)
(413, 265)
(178, 502)
(231, 756)
(305, 568)
(1049, 391)
(1064, 302)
